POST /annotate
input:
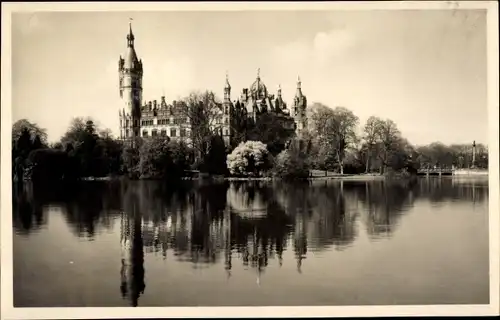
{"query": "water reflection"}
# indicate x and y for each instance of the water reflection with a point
(250, 223)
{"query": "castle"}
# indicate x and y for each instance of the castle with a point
(158, 118)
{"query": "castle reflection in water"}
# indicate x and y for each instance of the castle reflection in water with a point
(251, 223)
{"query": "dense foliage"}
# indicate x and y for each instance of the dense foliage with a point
(161, 158)
(249, 158)
(293, 163)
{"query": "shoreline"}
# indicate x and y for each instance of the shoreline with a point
(345, 177)
(338, 177)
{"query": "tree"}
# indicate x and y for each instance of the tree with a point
(334, 132)
(34, 130)
(215, 161)
(204, 111)
(48, 165)
(371, 134)
(271, 129)
(26, 137)
(239, 125)
(131, 158)
(293, 162)
(249, 158)
(321, 136)
(161, 158)
(94, 150)
(154, 158)
(389, 138)
(111, 153)
(344, 130)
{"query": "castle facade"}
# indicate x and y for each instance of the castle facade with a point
(172, 120)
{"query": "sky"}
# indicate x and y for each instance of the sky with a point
(423, 69)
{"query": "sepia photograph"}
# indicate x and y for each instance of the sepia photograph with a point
(210, 158)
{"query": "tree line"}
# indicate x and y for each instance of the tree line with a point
(267, 147)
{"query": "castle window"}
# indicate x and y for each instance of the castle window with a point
(173, 132)
(183, 132)
(227, 132)
(226, 121)
(127, 133)
(164, 133)
(145, 133)
(127, 125)
(154, 133)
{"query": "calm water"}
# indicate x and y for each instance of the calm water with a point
(253, 243)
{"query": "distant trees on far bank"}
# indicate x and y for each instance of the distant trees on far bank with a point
(329, 143)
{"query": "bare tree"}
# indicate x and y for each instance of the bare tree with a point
(204, 112)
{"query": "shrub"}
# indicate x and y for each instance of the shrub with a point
(249, 158)
(290, 165)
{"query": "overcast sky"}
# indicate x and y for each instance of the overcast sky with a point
(425, 70)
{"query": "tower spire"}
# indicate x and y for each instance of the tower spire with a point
(130, 36)
(228, 86)
(298, 93)
(258, 73)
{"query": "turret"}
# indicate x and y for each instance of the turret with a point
(299, 108)
(227, 90)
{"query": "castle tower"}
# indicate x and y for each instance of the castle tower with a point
(299, 109)
(227, 90)
(130, 72)
(226, 117)
(279, 104)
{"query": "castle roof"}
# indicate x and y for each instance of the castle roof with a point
(131, 61)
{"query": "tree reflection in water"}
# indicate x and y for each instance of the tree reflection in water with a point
(254, 223)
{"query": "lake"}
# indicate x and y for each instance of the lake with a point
(148, 243)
